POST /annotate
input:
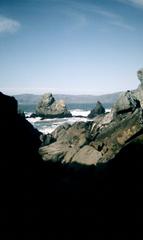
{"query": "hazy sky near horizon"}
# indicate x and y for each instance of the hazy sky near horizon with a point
(70, 46)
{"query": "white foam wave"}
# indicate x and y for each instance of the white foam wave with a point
(28, 114)
(49, 125)
(33, 120)
(79, 112)
(108, 110)
(46, 130)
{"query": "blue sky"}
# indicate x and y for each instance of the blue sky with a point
(70, 46)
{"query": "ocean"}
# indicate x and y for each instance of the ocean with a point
(79, 111)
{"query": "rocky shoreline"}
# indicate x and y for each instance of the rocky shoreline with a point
(101, 139)
(78, 191)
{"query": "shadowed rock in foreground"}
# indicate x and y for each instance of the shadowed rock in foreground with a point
(19, 159)
(67, 196)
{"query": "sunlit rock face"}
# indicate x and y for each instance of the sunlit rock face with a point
(48, 107)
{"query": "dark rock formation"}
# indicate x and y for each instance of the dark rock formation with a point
(46, 139)
(16, 132)
(19, 158)
(43, 193)
(48, 107)
(99, 109)
(8, 106)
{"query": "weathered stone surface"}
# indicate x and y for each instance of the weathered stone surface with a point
(87, 155)
(69, 141)
(139, 94)
(46, 139)
(127, 102)
(112, 139)
(60, 131)
(48, 107)
(54, 152)
(78, 134)
(70, 154)
(94, 142)
(101, 121)
(99, 109)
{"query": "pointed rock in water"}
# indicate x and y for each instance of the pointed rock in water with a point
(140, 75)
(139, 91)
(99, 109)
(48, 107)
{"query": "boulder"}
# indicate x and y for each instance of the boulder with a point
(127, 102)
(130, 100)
(48, 107)
(68, 142)
(87, 155)
(98, 110)
(60, 131)
(54, 152)
(139, 91)
(76, 135)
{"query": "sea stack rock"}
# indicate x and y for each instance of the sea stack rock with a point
(48, 107)
(140, 75)
(127, 102)
(139, 91)
(99, 109)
